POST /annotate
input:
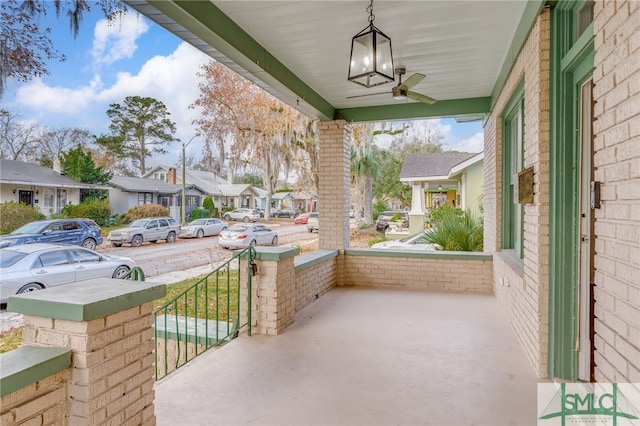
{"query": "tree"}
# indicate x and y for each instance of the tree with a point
(25, 46)
(17, 138)
(365, 167)
(251, 179)
(78, 165)
(139, 128)
(262, 131)
(52, 143)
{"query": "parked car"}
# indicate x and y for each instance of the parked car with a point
(149, 229)
(81, 232)
(244, 215)
(382, 224)
(313, 223)
(412, 242)
(291, 213)
(302, 219)
(31, 267)
(203, 228)
(245, 235)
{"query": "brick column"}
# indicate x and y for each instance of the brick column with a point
(273, 291)
(335, 170)
(107, 324)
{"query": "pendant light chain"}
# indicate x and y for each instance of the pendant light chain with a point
(372, 17)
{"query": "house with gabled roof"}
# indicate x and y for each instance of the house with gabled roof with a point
(47, 189)
(127, 192)
(436, 179)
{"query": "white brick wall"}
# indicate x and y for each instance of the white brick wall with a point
(617, 165)
(521, 286)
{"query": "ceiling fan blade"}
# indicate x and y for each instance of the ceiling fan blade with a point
(368, 94)
(411, 81)
(421, 98)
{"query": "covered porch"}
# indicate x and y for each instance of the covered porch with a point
(363, 355)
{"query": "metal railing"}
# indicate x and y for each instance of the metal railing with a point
(136, 274)
(207, 314)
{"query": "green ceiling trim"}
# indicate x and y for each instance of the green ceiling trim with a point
(528, 20)
(416, 110)
(227, 37)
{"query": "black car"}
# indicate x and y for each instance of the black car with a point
(382, 224)
(81, 232)
(291, 213)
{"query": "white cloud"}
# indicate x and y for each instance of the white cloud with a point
(117, 40)
(474, 143)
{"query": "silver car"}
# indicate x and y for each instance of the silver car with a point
(412, 242)
(203, 228)
(245, 235)
(244, 215)
(149, 229)
(31, 267)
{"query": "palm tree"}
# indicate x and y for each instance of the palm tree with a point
(364, 168)
(457, 232)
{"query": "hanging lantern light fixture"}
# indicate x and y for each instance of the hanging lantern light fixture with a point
(371, 62)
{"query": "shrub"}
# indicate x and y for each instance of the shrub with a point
(13, 215)
(378, 207)
(198, 213)
(146, 210)
(208, 203)
(92, 208)
(445, 212)
(458, 233)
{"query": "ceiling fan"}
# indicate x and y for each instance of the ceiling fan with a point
(401, 91)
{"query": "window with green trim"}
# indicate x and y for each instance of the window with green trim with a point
(512, 163)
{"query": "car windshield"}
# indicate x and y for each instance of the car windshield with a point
(415, 238)
(199, 222)
(238, 228)
(9, 257)
(140, 223)
(30, 228)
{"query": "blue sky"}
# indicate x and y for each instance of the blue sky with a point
(134, 56)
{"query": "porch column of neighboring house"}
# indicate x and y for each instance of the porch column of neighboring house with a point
(417, 213)
(335, 139)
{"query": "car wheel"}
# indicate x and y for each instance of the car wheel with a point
(200, 233)
(253, 243)
(246, 219)
(29, 288)
(136, 241)
(89, 243)
(171, 238)
(292, 216)
(120, 271)
(274, 242)
(227, 217)
(116, 244)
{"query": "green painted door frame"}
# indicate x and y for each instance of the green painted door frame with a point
(572, 59)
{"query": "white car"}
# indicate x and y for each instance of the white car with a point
(203, 228)
(244, 215)
(31, 267)
(245, 235)
(412, 242)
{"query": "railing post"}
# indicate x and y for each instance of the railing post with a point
(271, 293)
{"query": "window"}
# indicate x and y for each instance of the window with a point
(163, 222)
(160, 176)
(70, 226)
(145, 198)
(54, 258)
(512, 163)
(84, 256)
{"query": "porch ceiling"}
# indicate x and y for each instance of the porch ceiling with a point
(299, 50)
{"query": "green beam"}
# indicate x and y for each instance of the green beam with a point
(220, 32)
(405, 111)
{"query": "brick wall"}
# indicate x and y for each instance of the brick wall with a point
(617, 166)
(112, 376)
(313, 282)
(521, 285)
(418, 272)
(44, 402)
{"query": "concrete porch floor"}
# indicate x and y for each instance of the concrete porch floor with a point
(364, 357)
